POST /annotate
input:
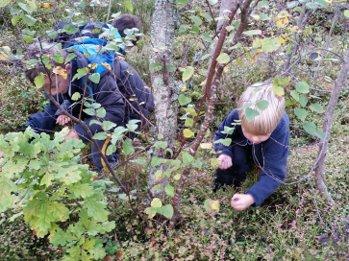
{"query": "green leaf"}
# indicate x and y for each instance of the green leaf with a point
(226, 142)
(279, 84)
(70, 57)
(317, 107)
(311, 129)
(133, 125)
(196, 20)
(187, 133)
(302, 87)
(169, 190)
(110, 150)
(76, 96)
(108, 125)
(156, 203)
(223, 58)
(101, 112)
(250, 114)
(128, 5)
(25, 7)
(187, 73)
(100, 136)
(96, 208)
(166, 211)
(81, 72)
(303, 100)
(90, 111)
(47, 179)
(28, 20)
(58, 58)
(41, 213)
(301, 113)
(92, 122)
(346, 13)
(189, 122)
(294, 95)
(39, 80)
(160, 144)
(155, 67)
(118, 134)
(81, 190)
(95, 78)
(6, 197)
(269, 45)
(183, 99)
(127, 147)
(262, 105)
(156, 161)
(182, 2)
(70, 29)
(187, 158)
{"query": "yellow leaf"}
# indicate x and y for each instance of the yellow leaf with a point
(183, 88)
(191, 111)
(188, 133)
(61, 72)
(214, 163)
(281, 19)
(214, 205)
(177, 177)
(46, 5)
(283, 39)
(206, 146)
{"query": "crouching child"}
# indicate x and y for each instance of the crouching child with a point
(259, 133)
(60, 83)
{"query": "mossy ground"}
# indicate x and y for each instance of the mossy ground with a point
(294, 224)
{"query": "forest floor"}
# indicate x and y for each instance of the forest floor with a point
(294, 224)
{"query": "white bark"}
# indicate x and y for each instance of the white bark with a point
(165, 95)
(162, 35)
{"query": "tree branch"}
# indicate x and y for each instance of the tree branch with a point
(319, 166)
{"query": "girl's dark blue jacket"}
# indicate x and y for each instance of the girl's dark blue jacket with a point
(270, 156)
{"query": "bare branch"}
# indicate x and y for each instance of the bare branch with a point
(319, 166)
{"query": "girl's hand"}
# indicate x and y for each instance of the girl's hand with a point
(72, 134)
(225, 161)
(241, 202)
(62, 120)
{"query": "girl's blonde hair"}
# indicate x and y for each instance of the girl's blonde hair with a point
(260, 99)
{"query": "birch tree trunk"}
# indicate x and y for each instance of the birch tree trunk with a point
(162, 35)
(319, 166)
(165, 95)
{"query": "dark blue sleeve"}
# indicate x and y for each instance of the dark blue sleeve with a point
(274, 171)
(110, 98)
(135, 85)
(219, 147)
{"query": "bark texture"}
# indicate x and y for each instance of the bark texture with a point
(165, 94)
(319, 167)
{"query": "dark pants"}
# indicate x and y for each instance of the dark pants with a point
(236, 174)
(45, 121)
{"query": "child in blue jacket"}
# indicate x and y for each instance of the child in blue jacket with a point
(114, 92)
(259, 133)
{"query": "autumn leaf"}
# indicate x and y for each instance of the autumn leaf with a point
(61, 72)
